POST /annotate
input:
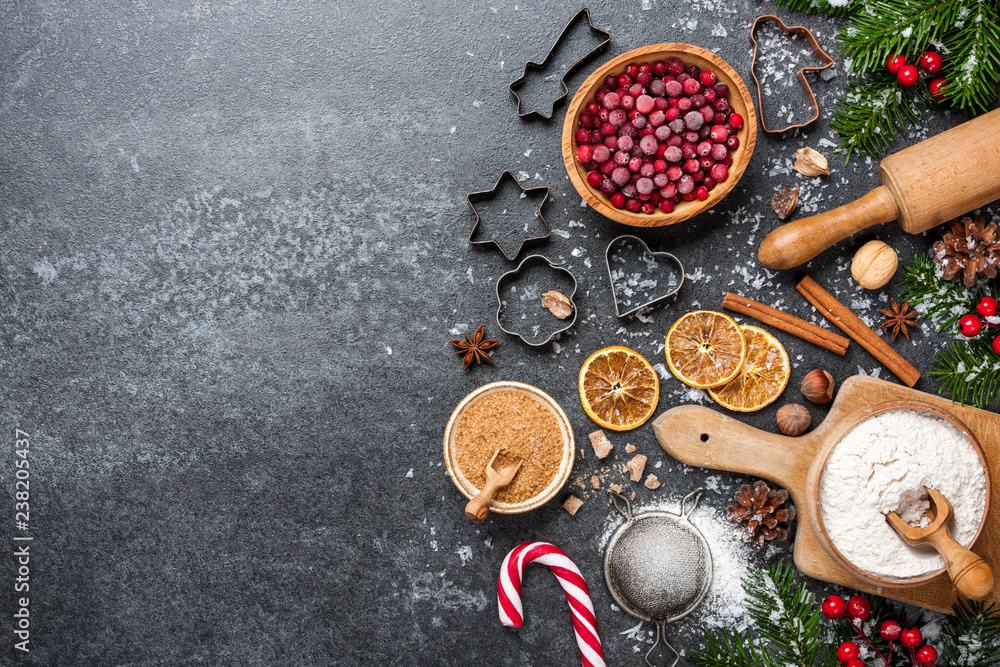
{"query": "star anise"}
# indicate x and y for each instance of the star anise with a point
(761, 514)
(898, 318)
(475, 348)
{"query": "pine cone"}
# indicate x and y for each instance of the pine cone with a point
(970, 248)
(760, 514)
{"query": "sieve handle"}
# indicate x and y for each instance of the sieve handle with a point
(700, 436)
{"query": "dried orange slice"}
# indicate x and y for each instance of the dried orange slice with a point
(618, 388)
(705, 349)
(763, 377)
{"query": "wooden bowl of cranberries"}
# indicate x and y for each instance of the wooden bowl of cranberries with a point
(659, 134)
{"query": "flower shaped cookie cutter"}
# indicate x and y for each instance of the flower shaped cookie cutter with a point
(627, 282)
(519, 300)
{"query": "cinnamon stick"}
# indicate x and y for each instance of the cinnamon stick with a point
(779, 319)
(841, 316)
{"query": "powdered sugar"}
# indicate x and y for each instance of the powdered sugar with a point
(882, 465)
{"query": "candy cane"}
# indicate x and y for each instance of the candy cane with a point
(571, 580)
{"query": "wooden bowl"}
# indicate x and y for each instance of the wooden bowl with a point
(739, 100)
(819, 465)
(469, 490)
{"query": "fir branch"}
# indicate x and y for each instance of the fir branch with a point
(974, 63)
(970, 638)
(741, 651)
(886, 26)
(942, 301)
(969, 369)
(836, 8)
(872, 113)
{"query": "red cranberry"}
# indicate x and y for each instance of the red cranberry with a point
(707, 114)
(594, 179)
(859, 607)
(692, 137)
(926, 656)
(896, 61)
(639, 122)
(736, 120)
(682, 77)
(635, 90)
(692, 87)
(970, 325)
(585, 153)
(674, 172)
(688, 150)
(608, 167)
(684, 104)
(624, 80)
(660, 166)
(661, 151)
(718, 152)
(635, 164)
(704, 148)
(709, 182)
(911, 638)
(706, 163)
(732, 142)
(607, 129)
(721, 89)
(675, 66)
(709, 94)
(632, 70)
(689, 196)
(728, 160)
(718, 118)
(611, 82)
(721, 104)
(611, 142)
(659, 68)
(660, 104)
(935, 87)
(667, 206)
(592, 108)
(719, 172)
(701, 193)
(673, 113)
(697, 101)
(930, 62)
(691, 166)
(848, 651)
(648, 207)
(643, 79)
(628, 103)
(693, 71)
(707, 77)
(908, 75)
(890, 630)
(633, 205)
(618, 200)
(644, 104)
(719, 133)
(608, 186)
(675, 140)
(834, 607)
(583, 137)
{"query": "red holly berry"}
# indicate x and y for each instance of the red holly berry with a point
(987, 306)
(935, 86)
(834, 607)
(848, 651)
(896, 60)
(970, 325)
(996, 344)
(911, 638)
(927, 656)
(930, 62)
(856, 663)
(908, 75)
(858, 607)
(890, 630)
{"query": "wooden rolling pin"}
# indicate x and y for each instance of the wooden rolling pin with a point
(923, 186)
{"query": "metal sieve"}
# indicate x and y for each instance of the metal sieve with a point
(657, 565)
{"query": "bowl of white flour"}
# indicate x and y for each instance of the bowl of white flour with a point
(881, 462)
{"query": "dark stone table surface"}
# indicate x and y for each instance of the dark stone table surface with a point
(233, 248)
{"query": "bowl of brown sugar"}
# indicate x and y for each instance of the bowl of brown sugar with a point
(522, 422)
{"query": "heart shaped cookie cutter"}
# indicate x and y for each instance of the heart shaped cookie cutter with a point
(623, 241)
(800, 74)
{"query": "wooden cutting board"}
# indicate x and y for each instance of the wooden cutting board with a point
(701, 436)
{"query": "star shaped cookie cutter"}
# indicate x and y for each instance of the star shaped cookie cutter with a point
(486, 195)
(531, 65)
(800, 75)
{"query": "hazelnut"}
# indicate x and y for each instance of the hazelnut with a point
(818, 386)
(793, 419)
(874, 264)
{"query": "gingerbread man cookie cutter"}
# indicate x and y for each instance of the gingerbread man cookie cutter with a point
(800, 74)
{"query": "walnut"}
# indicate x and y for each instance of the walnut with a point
(810, 162)
(874, 264)
(558, 304)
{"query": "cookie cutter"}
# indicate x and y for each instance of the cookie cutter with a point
(485, 195)
(666, 255)
(800, 75)
(510, 275)
(532, 65)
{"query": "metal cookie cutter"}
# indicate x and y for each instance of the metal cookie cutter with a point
(485, 195)
(674, 278)
(531, 65)
(657, 565)
(800, 75)
(531, 270)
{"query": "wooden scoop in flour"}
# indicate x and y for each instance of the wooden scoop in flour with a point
(971, 575)
(478, 508)
(923, 186)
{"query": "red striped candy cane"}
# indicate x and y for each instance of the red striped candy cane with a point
(571, 580)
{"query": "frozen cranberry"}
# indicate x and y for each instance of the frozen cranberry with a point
(644, 104)
(635, 164)
(704, 132)
(617, 117)
(594, 179)
(677, 126)
(704, 148)
(660, 103)
(592, 108)
(682, 77)
(721, 89)
(608, 166)
(709, 94)
(611, 142)
(709, 182)
(625, 143)
(620, 176)
(718, 118)
(583, 136)
(585, 153)
(657, 88)
(628, 103)
(691, 166)
(706, 163)
(890, 630)
(688, 150)
(644, 186)
(684, 104)
(602, 115)
(698, 176)
(635, 90)
(697, 101)
(607, 129)
(692, 86)
(675, 66)
(599, 96)
(662, 133)
(608, 186)
(721, 104)
(647, 169)
(688, 197)
(657, 118)
(628, 131)
(660, 166)
(673, 89)
(728, 160)
(732, 142)
(673, 154)
(639, 122)
(718, 152)
(685, 184)
(660, 180)
(674, 172)
(693, 120)
(719, 173)
(707, 114)
(633, 205)
(648, 145)
(659, 68)
(675, 140)
(611, 101)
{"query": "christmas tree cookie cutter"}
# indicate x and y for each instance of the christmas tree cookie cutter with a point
(800, 74)
(626, 282)
(533, 316)
(532, 67)
(492, 194)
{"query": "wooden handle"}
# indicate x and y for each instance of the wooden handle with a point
(478, 508)
(703, 437)
(797, 242)
(971, 575)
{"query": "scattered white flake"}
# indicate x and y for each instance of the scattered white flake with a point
(634, 633)
(561, 232)
(469, 276)
(719, 31)
(452, 130)
(527, 153)
(388, 350)
(477, 103)
(410, 473)
(576, 252)
(465, 553)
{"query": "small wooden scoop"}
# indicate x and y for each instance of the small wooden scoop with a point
(971, 575)
(479, 507)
